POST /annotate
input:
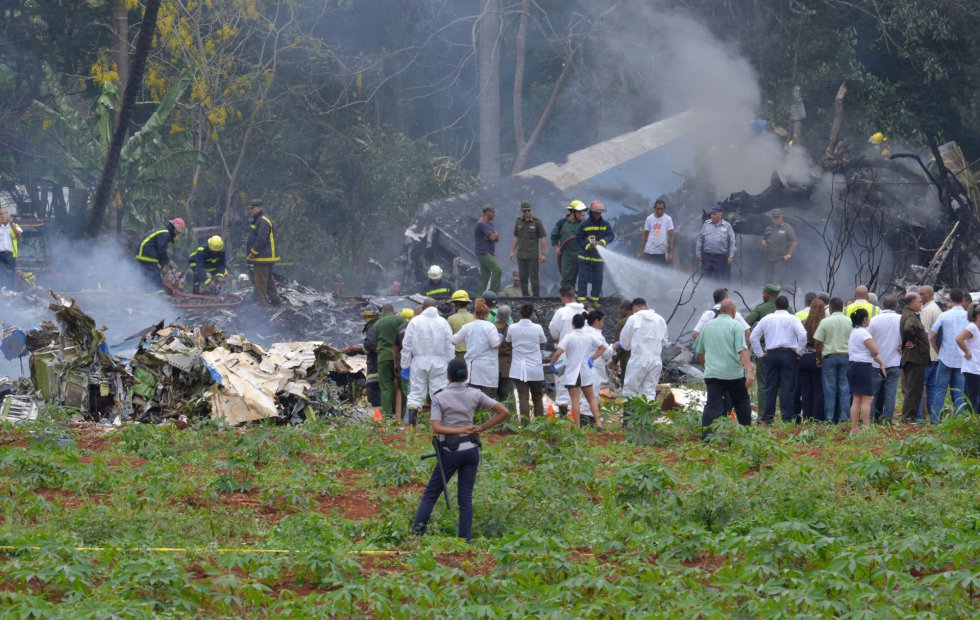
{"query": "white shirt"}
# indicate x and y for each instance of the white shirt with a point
(6, 239)
(928, 315)
(482, 357)
(527, 338)
(561, 323)
(885, 330)
(953, 321)
(972, 365)
(857, 351)
(657, 229)
(781, 330)
(707, 315)
(428, 342)
(579, 346)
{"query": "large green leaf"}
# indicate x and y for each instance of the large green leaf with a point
(157, 121)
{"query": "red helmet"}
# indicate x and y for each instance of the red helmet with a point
(597, 206)
(179, 224)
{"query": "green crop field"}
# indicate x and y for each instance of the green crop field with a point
(152, 521)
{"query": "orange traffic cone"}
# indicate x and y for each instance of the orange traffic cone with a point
(731, 414)
(551, 411)
(377, 413)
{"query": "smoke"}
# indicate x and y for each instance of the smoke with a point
(107, 284)
(679, 64)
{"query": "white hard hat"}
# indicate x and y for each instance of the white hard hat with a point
(435, 272)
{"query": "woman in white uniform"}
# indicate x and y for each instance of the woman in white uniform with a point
(581, 349)
(526, 369)
(482, 341)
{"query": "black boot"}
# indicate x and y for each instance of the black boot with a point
(413, 415)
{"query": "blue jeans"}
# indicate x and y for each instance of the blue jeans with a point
(466, 462)
(810, 388)
(836, 391)
(930, 388)
(885, 390)
(946, 378)
(781, 371)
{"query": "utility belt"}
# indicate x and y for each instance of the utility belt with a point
(460, 442)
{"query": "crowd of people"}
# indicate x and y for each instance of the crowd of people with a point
(835, 361)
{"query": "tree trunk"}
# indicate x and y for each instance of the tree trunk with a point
(120, 41)
(104, 190)
(520, 160)
(521, 56)
(488, 34)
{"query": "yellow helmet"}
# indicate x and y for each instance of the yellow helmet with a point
(877, 138)
(461, 295)
(886, 152)
(408, 314)
(576, 205)
(216, 244)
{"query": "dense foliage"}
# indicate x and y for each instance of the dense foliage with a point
(759, 522)
(345, 116)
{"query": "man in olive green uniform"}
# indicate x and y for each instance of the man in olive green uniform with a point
(528, 247)
(566, 246)
(780, 243)
(514, 288)
(767, 307)
(385, 330)
(459, 318)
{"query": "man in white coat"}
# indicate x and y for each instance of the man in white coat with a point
(559, 327)
(426, 351)
(644, 336)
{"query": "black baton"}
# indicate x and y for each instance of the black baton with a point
(442, 472)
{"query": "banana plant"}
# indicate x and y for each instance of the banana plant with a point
(150, 159)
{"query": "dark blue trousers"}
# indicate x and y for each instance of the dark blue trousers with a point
(716, 266)
(781, 370)
(466, 463)
(8, 270)
(589, 272)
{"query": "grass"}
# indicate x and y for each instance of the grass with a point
(800, 521)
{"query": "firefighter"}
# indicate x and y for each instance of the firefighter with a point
(151, 253)
(260, 252)
(436, 287)
(595, 231)
(207, 264)
(565, 244)
(369, 348)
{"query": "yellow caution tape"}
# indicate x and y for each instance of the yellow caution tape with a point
(371, 552)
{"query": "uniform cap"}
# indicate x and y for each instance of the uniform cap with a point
(775, 213)
(772, 289)
(717, 208)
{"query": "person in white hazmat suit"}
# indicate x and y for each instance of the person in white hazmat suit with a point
(559, 327)
(426, 351)
(644, 336)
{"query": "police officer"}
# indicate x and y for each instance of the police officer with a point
(459, 444)
(208, 265)
(151, 253)
(528, 247)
